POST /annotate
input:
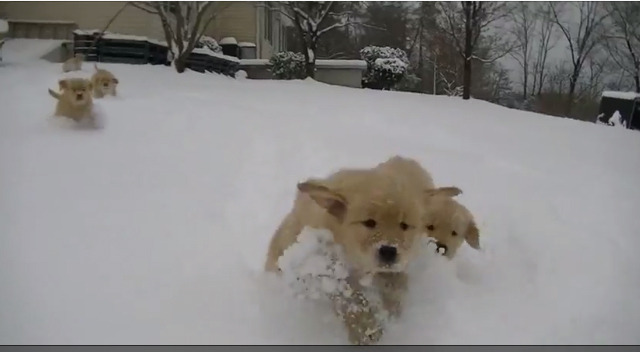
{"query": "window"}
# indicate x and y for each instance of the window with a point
(171, 7)
(268, 22)
(277, 36)
(283, 38)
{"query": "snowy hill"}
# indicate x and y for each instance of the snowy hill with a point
(154, 229)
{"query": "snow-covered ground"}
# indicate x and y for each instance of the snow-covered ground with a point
(153, 230)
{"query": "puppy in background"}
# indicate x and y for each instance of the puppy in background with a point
(450, 223)
(104, 83)
(74, 99)
(446, 220)
(73, 64)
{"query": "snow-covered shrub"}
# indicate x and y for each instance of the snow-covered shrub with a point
(287, 65)
(209, 43)
(386, 66)
(410, 83)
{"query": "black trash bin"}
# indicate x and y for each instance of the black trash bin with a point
(229, 46)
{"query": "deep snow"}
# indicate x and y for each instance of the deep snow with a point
(154, 229)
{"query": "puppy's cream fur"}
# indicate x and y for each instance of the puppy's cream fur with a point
(74, 99)
(364, 209)
(73, 64)
(104, 83)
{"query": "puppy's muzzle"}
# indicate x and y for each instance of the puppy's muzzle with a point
(441, 248)
(387, 254)
(79, 96)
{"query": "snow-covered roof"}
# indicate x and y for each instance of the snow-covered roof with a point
(109, 35)
(86, 31)
(621, 95)
(207, 51)
(228, 40)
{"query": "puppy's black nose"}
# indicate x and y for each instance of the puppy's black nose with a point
(388, 254)
(79, 96)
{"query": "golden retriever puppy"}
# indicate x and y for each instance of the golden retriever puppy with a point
(73, 64)
(376, 216)
(104, 83)
(450, 224)
(74, 99)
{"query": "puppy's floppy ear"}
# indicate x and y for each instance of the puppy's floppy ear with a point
(333, 202)
(63, 84)
(473, 235)
(445, 191)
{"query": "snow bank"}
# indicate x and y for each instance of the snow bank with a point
(241, 74)
(616, 120)
(154, 229)
(28, 50)
(314, 266)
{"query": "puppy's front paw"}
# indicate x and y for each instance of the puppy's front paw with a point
(363, 328)
(360, 317)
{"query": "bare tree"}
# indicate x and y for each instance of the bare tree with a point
(313, 19)
(624, 41)
(467, 23)
(524, 22)
(183, 23)
(500, 84)
(449, 82)
(582, 36)
(113, 18)
(592, 85)
(547, 40)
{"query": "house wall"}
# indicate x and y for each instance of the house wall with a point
(346, 77)
(346, 73)
(235, 19)
(271, 28)
(87, 15)
(246, 21)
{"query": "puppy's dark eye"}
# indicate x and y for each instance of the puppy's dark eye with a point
(369, 223)
(430, 227)
(404, 226)
(453, 233)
